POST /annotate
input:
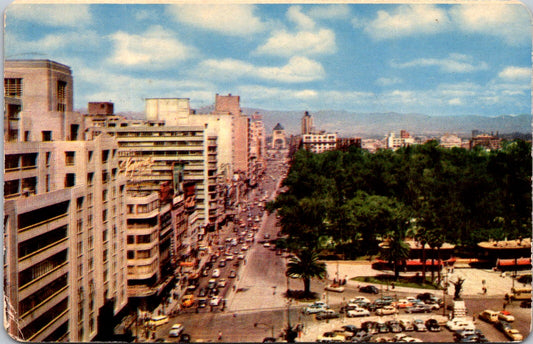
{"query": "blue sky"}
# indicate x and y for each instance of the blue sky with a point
(435, 59)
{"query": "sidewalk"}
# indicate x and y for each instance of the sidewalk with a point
(472, 286)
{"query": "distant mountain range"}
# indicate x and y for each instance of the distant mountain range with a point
(377, 125)
(380, 124)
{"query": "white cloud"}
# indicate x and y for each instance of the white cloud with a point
(298, 69)
(302, 21)
(455, 63)
(513, 73)
(388, 81)
(510, 22)
(455, 101)
(156, 48)
(406, 20)
(336, 11)
(283, 43)
(59, 42)
(235, 20)
(55, 15)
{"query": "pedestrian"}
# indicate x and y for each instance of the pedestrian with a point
(504, 305)
(220, 335)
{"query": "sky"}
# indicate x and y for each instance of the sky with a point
(433, 59)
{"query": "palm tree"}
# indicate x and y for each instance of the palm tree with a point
(306, 266)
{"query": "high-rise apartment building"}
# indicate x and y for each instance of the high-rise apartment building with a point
(307, 123)
(64, 235)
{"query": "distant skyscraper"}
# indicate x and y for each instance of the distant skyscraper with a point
(307, 123)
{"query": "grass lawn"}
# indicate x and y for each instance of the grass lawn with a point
(403, 281)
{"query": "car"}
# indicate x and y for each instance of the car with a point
(502, 325)
(425, 297)
(351, 328)
(418, 309)
(406, 325)
(359, 299)
(202, 302)
(361, 337)
(221, 264)
(419, 325)
(244, 248)
(335, 288)
(489, 315)
(229, 257)
(240, 256)
(377, 304)
(369, 289)
(191, 288)
(315, 308)
(525, 304)
(269, 340)
(176, 330)
(382, 327)
(211, 283)
(433, 325)
(506, 316)
(187, 300)
(202, 292)
(386, 310)
(158, 320)
(402, 303)
(513, 334)
(358, 312)
(266, 244)
(328, 337)
(216, 273)
(266, 236)
(394, 326)
(232, 274)
(215, 301)
(205, 273)
(327, 314)
(185, 338)
(457, 324)
(221, 283)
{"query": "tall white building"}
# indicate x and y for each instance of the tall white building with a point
(64, 234)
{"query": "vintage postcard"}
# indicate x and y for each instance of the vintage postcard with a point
(267, 172)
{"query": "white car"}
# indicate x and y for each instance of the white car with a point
(386, 310)
(176, 330)
(457, 324)
(266, 244)
(221, 283)
(244, 248)
(240, 256)
(230, 257)
(506, 316)
(216, 273)
(215, 301)
(359, 299)
(335, 287)
(358, 312)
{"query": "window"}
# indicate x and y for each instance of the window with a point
(90, 178)
(13, 87)
(70, 180)
(131, 254)
(48, 155)
(26, 135)
(89, 156)
(70, 158)
(131, 239)
(46, 135)
(61, 96)
(74, 128)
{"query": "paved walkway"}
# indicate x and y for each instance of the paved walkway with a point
(473, 278)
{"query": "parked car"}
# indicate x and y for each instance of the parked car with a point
(513, 334)
(525, 304)
(335, 287)
(329, 337)
(402, 303)
(222, 264)
(215, 301)
(382, 327)
(232, 274)
(221, 283)
(359, 299)
(176, 330)
(358, 312)
(212, 282)
(394, 326)
(202, 292)
(433, 325)
(457, 324)
(314, 309)
(418, 309)
(489, 315)
(158, 320)
(202, 302)
(351, 328)
(502, 325)
(406, 325)
(327, 314)
(419, 325)
(369, 289)
(187, 301)
(185, 338)
(370, 327)
(506, 316)
(386, 310)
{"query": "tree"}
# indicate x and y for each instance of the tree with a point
(306, 266)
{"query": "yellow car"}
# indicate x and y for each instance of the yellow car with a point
(187, 301)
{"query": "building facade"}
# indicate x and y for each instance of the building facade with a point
(64, 235)
(319, 142)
